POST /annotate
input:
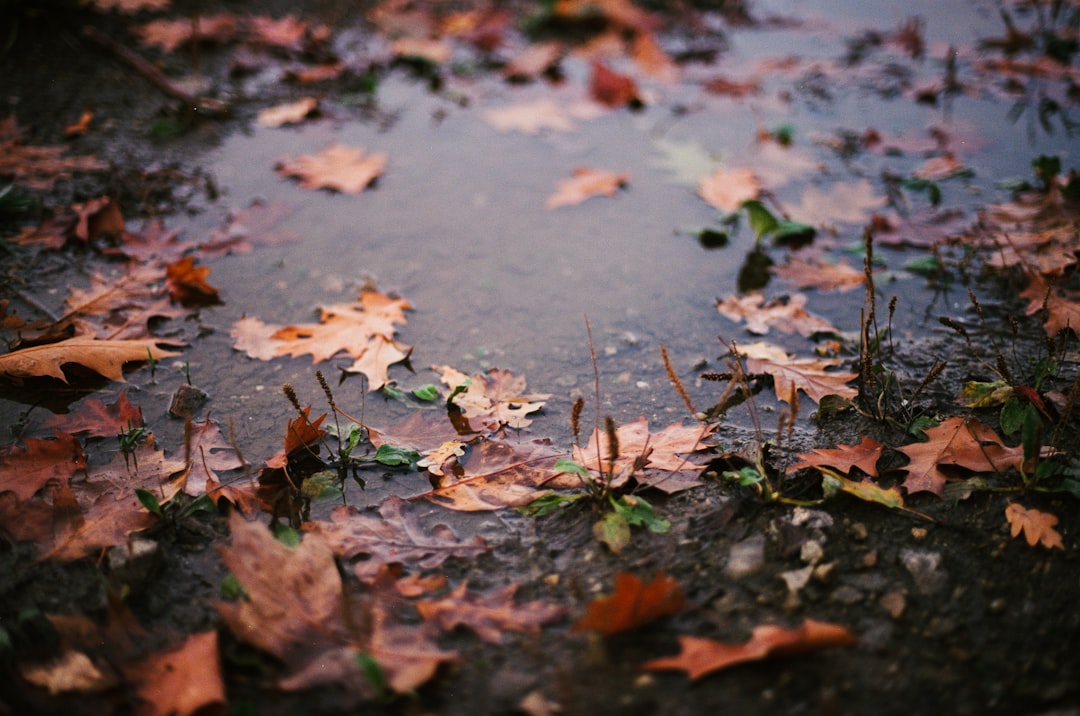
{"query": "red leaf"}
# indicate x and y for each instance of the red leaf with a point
(632, 604)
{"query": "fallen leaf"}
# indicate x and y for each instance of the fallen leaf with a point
(291, 113)
(37, 168)
(493, 399)
(182, 680)
(395, 537)
(489, 615)
(841, 203)
(586, 183)
(536, 59)
(495, 474)
(79, 127)
(1062, 306)
(38, 463)
(611, 88)
(684, 162)
(822, 275)
(809, 375)
(287, 32)
(106, 357)
(633, 603)
(96, 419)
(652, 59)
(187, 283)
(863, 456)
(956, 442)
(171, 34)
(338, 167)
(727, 189)
(207, 454)
(1037, 526)
(699, 657)
(786, 314)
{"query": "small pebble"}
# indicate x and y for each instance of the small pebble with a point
(918, 533)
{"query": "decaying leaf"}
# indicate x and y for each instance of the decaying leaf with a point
(633, 603)
(493, 399)
(97, 419)
(863, 456)
(338, 167)
(38, 463)
(961, 443)
(180, 681)
(586, 183)
(822, 275)
(842, 203)
(699, 657)
(395, 537)
(489, 615)
(1037, 526)
(806, 374)
(612, 89)
(37, 167)
(106, 357)
(496, 474)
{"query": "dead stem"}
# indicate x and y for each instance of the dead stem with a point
(677, 382)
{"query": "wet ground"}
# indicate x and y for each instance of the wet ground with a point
(952, 615)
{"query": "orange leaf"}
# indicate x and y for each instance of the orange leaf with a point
(844, 457)
(805, 374)
(489, 615)
(727, 189)
(632, 604)
(786, 314)
(703, 656)
(182, 680)
(101, 356)
(586, 183)
(968, 444)
(338, 167)
(187, 283)
(1038, 527)
(612, 89)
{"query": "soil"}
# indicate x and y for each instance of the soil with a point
(951, 613)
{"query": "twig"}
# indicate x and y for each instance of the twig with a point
(139, 64)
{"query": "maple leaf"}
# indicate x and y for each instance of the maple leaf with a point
(291, 113)
(956, 442)
(660, 460)
(37, 167)
(27, 469)
(496, 474)
(611, 88)
(187, 283)
(181, 680)
(864, 456)
(493, 399)
(1037, 526)
(395, 537)
(297, 612)
(364, 330)
(106, 357)
(1062, 306)
(727, 189)
(786, 314)
(806, 374)
(97, 419)
(338, 167)
(842, 203)
(489, 615)
(822, 275)
(633, 603)
(699, 657)
(586, 183)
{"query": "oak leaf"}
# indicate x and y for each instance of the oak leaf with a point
(187, 283)
(809, 375)
(786, 314)
(957, 442)
(182, 680)
(291, 113)
(633, 603)
(842, 203)
(395, 537)
(661, 460)
(493, 399)
(586, 183)
(1037, 526)
(1062, 306)
(489, 615)
(863, 456)
(38, 463)
(699, 657)
(612, 89)
(494, 475)
(37, 167)
(727, 189)
(822, 275)
(207, 454)
(346, 169)
(106, 357)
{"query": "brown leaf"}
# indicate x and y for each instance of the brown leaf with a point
(956, 442)
(586, 183)
(699, 657)
(489, 615)
(106, 357)
(863, 456)
(180, 681)
(493, 399)
(534, 117)
(495, 474)
(37, 167)
(187, 283)
(611, 88)
(822, 275)
(291, 113)
(786, 314)
(727, 189)
(806, 374)
(1062, 306)
(208, 453)
(633, 603)
(25, 470)
(842, 203)
(96, 419)
(1037, 526)
(395, 537)
(338, 167)
(421, 431)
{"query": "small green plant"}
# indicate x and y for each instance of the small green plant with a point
(130, 439)
(172, 510)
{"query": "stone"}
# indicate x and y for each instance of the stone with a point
(746, 557)
(925, 568)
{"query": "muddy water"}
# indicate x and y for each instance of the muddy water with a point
(457, 225)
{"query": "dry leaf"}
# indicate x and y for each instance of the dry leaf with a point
(956, 442)
(1037, 526)
(489, 615)
(727, 189)
(291, 113)
(863, 456)
(106, 357)
(806, 374)
(786, 314)
(586, 183)
(632, 604)
(180, 681)
(493, 399)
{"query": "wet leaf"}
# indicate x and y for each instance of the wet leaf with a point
(699, 657)
(338, 167)
(842, 203)
(1037, 526)
(37, 463)
(187, 283)
(613, 530)
(786, 314)
(489, 615)
(496, 474)
(863, 456)
(97, 419)
(182, 680)
(822, 275)
(395, 537)
(864, 490)
(956, 442)
(612, 89)
(809, 375)
(491, 400)
(632, 604)
(37, 167)
(106, 357)
(586, 183)
(727, 189)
